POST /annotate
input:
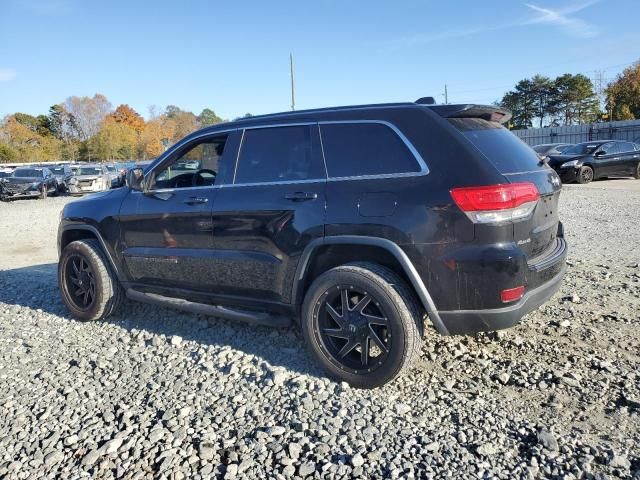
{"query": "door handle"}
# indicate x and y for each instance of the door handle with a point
(196, 200)
(301, 196)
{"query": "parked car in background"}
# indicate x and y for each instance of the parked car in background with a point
(402, 212)
(113, 174)
(547, 149)
(5, 172)
(589, 161)
(62, 173)
(28, 182)
(88, 178)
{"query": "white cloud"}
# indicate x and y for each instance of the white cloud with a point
(561, 18)
(7, 74)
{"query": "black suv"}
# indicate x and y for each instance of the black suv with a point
(359, 222)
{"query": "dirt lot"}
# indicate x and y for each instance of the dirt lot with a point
(154, 392)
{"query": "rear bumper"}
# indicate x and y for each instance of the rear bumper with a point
(474, 321)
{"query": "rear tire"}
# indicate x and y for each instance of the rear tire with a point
(88, 285)
(357, 308)
(585, 174)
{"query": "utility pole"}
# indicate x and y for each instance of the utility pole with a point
(293, 95)
(446, 95)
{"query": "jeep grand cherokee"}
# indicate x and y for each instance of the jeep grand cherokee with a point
(358, 222)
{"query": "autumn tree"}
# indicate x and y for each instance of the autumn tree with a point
(127, 115)
(7, 154)
(623, 94)
(115, 141)
(158, 134)
(20, 134)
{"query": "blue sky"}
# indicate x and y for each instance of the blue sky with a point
(234, 56)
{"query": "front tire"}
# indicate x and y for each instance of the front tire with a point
(88, 286)
(362, 324)
(585, 174)
(43, 192)
(636, 174)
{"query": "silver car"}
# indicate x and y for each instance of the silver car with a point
(88, 178)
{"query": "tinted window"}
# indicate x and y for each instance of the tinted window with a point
(608, 148)
(278, 154)
(582, 149)
(196, 165)
(502, 148)
(355, 149)
(625, 147)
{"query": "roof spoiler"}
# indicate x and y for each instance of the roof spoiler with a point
(491, 113)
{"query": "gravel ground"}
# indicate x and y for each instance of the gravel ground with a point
(158, 393)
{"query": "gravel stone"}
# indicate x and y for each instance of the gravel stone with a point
(357, 460)
(548, 440)
(306, 469)
(159, 393)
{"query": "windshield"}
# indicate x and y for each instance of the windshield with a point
(111, 168)
(582, 149)
(27, 172)
(89, 171)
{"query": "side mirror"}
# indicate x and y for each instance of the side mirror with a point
(599, 153)
(134, 179)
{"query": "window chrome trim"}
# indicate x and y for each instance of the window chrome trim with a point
(283, 182)
(424, 169)
(171, 190)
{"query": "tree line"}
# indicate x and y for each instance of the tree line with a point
(570, 99)
(89, 128)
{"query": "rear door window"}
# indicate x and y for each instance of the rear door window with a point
(626, 147)
(502, 148)
(358, 149)
(279, 154)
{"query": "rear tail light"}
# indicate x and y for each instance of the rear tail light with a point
(497, 203)
(512, 294)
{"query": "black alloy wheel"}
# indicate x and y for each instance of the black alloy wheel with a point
(362, 324)
(80, 282)
(352, 329)
(88, 284)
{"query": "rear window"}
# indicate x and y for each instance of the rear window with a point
(502, 148)
(356, 149)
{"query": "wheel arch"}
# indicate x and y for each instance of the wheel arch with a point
(325, 253)
(71, 233)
